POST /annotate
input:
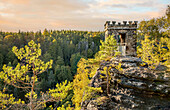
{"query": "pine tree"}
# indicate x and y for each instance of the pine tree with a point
(108, 48)
(82, 91)
(155, 52)
(25, 74)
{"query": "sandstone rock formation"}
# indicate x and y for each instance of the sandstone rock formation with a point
(133, 87)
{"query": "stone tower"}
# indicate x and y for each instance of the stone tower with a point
(125, 34)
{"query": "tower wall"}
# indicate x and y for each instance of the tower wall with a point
(126, 28)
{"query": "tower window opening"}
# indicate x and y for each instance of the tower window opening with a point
(122, 38)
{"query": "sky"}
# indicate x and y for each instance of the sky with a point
(86, 15)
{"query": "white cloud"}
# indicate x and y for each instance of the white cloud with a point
(73, 14)
(6, 14)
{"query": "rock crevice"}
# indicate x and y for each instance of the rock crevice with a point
(132, 87)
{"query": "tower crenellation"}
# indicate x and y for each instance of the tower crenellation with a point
(124, 32)
(125, 23)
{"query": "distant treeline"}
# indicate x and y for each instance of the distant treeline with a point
(64, 47)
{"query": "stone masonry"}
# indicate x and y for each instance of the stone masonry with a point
(125, 34)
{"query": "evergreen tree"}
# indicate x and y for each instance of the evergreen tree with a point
(60, 61)
(25, 75)
(155, 52)
(1, 61)
(73, 61)
(108, 48)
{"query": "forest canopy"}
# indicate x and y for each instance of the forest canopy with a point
(52, 69)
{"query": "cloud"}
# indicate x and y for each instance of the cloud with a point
(15, 1)
(28, 15)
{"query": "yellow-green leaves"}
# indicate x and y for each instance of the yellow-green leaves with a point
(6, 100)
(30, 55)
(108, 48)
(25, 74)
(90, 92)
(10, 75)
(61, 90)
(118, 67)
(155, 52)
(63, 108)
(81, 80)
(29, 52)
(87, 69)
(34, 95)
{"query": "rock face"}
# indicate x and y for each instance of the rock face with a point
(133, 87)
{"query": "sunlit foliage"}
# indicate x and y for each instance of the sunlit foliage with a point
(155, 52)
(25, 74)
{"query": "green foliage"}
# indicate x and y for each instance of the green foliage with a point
(60, 61)
(1, 61)
(6, 100)
(45, 32)
(108, 48)
(87, 69)
(51, 79)
(33, 94)
(1, 38)
(155, 52)
(73, 61)
(81, 89)
(10, 57)
(9, 38)
(20, 73)
(25, 75)
(63, 73)
(61, 90)
(153, 37)
(54, 43)
(63, 108)
(47, 57)
(155, 27)
(15, 62)
(65, 48)
(89, 53)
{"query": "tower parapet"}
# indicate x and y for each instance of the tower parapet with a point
(124, 33)
(125, 25)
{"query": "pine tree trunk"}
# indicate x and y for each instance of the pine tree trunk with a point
(108, 88)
